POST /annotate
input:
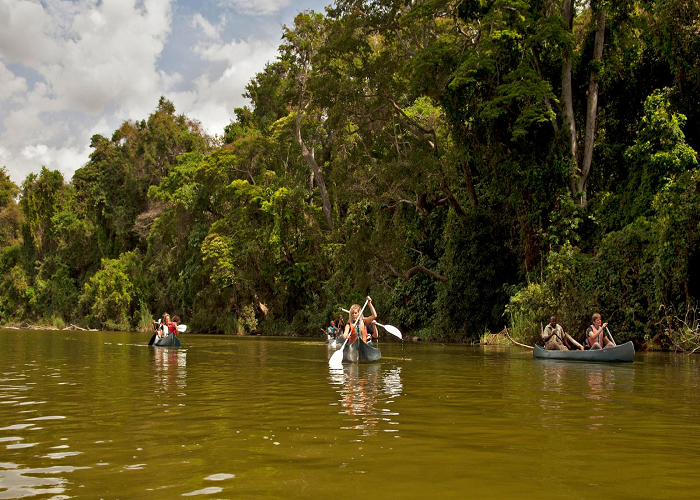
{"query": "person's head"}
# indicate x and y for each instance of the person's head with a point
(166, 318)
(596, 319)
(354, 313)
(176, 319)
(332, 323)
(553, 321)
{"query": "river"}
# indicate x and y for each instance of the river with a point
(103, 415)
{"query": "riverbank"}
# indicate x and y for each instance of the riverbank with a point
(28, 326)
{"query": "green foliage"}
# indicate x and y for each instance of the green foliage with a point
(659, 153)
(57, 292)
(42, 196)
(18, 298)
(438, 129)
(109, 297)
(479, 266)
(8, 189)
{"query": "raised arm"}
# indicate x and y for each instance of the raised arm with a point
(371, 318)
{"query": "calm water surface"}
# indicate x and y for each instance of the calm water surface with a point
(103, 415)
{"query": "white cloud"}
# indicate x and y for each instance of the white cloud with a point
(256, 7)
(112, 56)
(37, 151)
(10, 84)
(210, 30)
(217, 96)
(72, 68)
(23, 33)
(94, 58)
(55, 158)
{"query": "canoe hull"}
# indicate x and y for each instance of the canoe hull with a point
(169, 340)
(359, 352)
(623, 353)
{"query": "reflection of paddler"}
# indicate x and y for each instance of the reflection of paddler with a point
(359, 396)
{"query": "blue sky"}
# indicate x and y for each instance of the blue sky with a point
(73, 68)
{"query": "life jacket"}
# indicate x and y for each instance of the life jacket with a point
(363, 332)
(598, 338)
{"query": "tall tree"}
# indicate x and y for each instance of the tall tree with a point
(302, 44)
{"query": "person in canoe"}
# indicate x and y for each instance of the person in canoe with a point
(555, 339)
(172, 326)
(331, 332)
(372, 331)
(595, 334)
(351, 332)
(161, 326)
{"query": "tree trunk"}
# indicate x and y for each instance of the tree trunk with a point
(318, 175)
(581, 167)
(592, 107)
(469, 180)
(568, 122)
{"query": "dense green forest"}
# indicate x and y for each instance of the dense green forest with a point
(469, 163)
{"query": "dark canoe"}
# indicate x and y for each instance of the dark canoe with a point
(359, 352)
(621, 354)
(169, 340)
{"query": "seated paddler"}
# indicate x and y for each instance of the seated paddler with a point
(555, 339)
(353, 328)
(331, 331)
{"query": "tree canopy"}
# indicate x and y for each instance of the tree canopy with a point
(470, 164)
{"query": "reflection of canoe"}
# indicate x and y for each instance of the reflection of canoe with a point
(359, 352)
(169, 340)
(621, 354)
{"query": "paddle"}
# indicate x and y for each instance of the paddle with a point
(389, 328)
(336, 360)
(181, 328)
(610, 335)
(153, 339)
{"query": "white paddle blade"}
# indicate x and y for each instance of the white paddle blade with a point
(393, 330)
(336, 360)
(181, 328)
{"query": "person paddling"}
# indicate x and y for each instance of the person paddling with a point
(162, 329)
(595, 334)
(331, 331)
(172, 327)
(555, 339)
(351, 332)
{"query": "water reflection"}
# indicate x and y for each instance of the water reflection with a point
(19, 480)
(170, 368)
(605, 386)
(365, 393)
(21, 483)
(597, 380)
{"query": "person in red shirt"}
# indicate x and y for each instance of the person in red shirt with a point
(172, 326)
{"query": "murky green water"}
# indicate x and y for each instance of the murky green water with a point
(102, 415)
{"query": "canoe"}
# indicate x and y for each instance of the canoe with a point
(359, 352)
(623, 353)
(169, 340)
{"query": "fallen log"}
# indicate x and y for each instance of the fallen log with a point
(505, 329)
